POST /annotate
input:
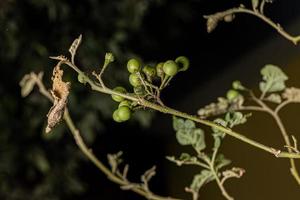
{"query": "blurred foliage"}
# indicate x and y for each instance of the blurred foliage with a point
(31, 31)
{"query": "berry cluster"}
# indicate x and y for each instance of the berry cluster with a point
(147, 82)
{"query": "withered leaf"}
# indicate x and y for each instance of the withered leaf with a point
(59, 92)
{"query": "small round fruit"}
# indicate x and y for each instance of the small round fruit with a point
(159, 70)
(81, 78)
(229, 18)
(139, 90)
(170, 68)
(116, 117)
(232, 94)
(124, 113)
(237, 85)
(149, 71)
(134, 80)
(118, 98)
(184, 62)
(125, 103)
(133, 65)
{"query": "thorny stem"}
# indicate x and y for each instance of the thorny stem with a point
(294, 39)
(89, 153)
(171, 111)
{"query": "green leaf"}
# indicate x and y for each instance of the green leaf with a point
(275, 98)
(221, 122)
(178, 123)
(184, 158)
(188, 134)
(184, 137)
(236, 118)
(221, 162)
(201, 179)
(199, 143)
(273, 78)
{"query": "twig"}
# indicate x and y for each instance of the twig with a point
(88, 152)
(167, 110)
(294, 39)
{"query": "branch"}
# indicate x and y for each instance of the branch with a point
(171, 111)
(213, 19)
(145, 192)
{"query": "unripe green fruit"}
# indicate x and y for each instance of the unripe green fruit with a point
(149, 71)
(232, 94)
(170, 68)
(184, 61)
(116, 117)
(237, 85)
(159, 70)
(229, 18)
(134, 80)
(133, 65)
(125, 103)
(139, 90)
(118, 98)
(124, 113)
(81, 78)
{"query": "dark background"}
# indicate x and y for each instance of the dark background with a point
(36, 166)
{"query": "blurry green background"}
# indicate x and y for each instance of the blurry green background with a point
(36, 166)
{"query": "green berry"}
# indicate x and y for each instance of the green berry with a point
(170, 68)
(81, 78)
(232, 94)
(139, 90)
(118, 98)
(159, 70)
(184, 62)
(124, 113)
(149, 71)
(237, 85)
(229, 18)
(125, 103)
(134, 80)
(116, 117)
(133, 65)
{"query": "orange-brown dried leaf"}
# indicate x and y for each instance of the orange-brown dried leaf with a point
(59, 92)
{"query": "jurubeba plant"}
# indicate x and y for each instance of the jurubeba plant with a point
(147, 82)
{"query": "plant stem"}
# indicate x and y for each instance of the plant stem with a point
(288, 143)
(294, 39)
(220, 185)
(167, 110)
(264, 108)
(89, 153)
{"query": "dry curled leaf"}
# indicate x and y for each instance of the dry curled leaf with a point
(292, 94)
(59, 92)
(73, 48)
(28, 82)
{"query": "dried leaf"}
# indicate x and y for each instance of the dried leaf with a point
(214, 108)
(59, 92)
(28, 82)
(292, 94)
(235, 172)
(73, 48)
